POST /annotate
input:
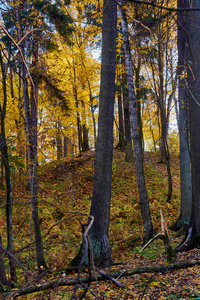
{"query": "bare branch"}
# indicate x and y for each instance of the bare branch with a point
(151, 240)
(18, 262)
(173, 9)
(23, 60)
(85, 238)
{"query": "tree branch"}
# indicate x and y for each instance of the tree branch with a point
(173, 9)
(71, 281)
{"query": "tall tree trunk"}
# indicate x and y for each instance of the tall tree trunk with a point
(65, 142)
(31, 135)
(85, 143)
(127, 126)
(79, 127)
(164, 149)
(193, 75)
(4, 154)
(138, 99)
(2, 172)
(185, 170)
(161, 102)
(19, 122)
(144, 202)
(58, 140)
(100, 207)
(93, 116)
(3, 279)
(121, 143)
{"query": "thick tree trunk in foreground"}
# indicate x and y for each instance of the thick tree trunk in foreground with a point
(185, 170)
(144, 202)
(193, 71)
(194, 116)
(100, 207)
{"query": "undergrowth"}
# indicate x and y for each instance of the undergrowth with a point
(64, 195)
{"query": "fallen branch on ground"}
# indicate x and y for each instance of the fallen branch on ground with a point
(71, 281)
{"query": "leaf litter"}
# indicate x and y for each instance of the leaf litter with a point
(67, 187)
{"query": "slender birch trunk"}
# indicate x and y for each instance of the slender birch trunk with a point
(144, 202)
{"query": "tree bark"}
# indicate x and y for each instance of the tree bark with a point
(193, 75)
(121, 143)
(4, 154)
(193, 28)
(127, 126)
(31, 135)
(85, 141)
(59, 140)
(3, 279)
(144, 202)
(100, 207)
(65, 142)
(183, 123)
(138, 101)
(79, 127)
(93, 115)
(164, 150)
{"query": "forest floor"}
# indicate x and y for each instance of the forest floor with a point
(65, 190)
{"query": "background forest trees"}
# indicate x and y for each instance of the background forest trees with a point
(59, 103)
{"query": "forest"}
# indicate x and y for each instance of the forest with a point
(99, 144)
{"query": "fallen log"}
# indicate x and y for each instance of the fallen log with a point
(71, 281)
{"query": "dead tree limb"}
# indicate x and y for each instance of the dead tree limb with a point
(171, 255)
(71, 281)
(84, 255)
